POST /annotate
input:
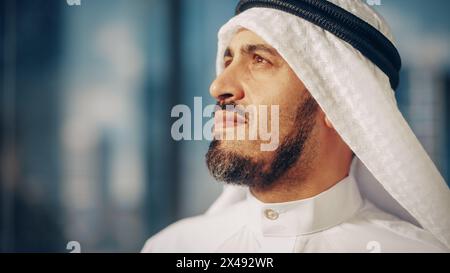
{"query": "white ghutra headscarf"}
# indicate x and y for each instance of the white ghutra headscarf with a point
(392, 169)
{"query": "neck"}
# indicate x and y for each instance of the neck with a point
(306, 180)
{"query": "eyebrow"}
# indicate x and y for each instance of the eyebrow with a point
(252, 48)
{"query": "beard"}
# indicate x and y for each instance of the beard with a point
(235, 168)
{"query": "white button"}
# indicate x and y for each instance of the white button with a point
(271, 214)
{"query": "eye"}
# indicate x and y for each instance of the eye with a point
(227, 62)
(260, 60)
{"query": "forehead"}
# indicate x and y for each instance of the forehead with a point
(245, 36)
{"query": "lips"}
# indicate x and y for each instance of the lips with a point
(227, 119)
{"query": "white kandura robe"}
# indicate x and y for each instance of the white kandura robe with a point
(336, 220)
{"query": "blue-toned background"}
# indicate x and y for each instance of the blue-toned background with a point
(86, 95)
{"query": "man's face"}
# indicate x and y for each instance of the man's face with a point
(255, 74)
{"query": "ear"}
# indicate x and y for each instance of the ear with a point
(328, 122)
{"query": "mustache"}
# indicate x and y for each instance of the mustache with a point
(223, 105)
(235, 108)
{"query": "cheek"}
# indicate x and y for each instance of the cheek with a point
(276, 87)
(282, 88)
(286, 120)
(289, 96)
(280, 118)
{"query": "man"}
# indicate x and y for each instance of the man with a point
(332, 73)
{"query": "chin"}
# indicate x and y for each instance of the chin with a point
(241, 147)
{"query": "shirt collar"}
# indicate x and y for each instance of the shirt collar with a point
(327, 209)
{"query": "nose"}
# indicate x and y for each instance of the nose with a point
(226, 87)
